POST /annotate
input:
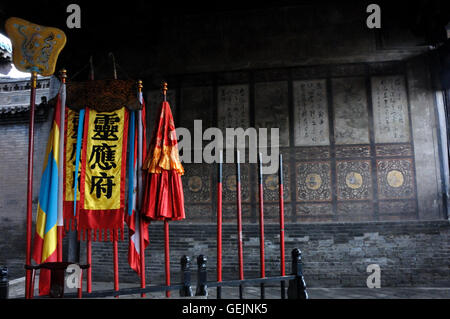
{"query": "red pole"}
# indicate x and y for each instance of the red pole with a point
(59, 230)
(116, 262)
(166, 222)
(32, 284)
(116, 237)
(281, 178)
(140, 190)
(261, 225)
(88, 241)
(28, 292)
(142, 251)
(80, 290)
(167, 255)
(219, 226)
(281, 198)
(261, 218)
(60, 222)
(89, 262)
(239, 223)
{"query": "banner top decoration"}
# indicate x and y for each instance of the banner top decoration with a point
(103, 95)
(35, 48)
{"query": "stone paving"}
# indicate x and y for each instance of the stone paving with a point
(272, 292)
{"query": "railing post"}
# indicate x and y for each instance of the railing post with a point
(297, 286)
(202, 288)
(4, 283)
(186, 291)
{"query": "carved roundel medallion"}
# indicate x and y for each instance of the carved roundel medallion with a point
(354, 180)
(230, 182)
(313, 181)
(271, 182)
(395, 178)
(195, 184)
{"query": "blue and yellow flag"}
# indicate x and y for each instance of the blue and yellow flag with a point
(45, 240)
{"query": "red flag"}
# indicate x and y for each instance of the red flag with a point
(163, 197)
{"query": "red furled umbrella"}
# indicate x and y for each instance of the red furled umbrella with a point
(163, 195)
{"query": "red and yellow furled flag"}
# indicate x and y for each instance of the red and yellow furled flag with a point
(164, 198)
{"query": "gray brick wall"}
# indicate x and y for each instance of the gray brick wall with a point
(334, 254)
(13, 188)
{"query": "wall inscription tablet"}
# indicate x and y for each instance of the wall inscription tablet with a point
(233, 106)
(271, 108)
(351, 120)
(311, 113)
(390, 109)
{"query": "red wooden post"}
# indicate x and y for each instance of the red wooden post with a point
(33, 280)
(281, 197)
(261, 217)
(88, 241)
(116, 261)
(60, 240)
(60, 221)
(28, 292)
(239, 223)
(219, 226)
(142, 251)
(167, 255)
(80, 289)
(89, 261)
(140, 189)
(261, 225)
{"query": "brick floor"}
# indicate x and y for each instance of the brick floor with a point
(273, 292)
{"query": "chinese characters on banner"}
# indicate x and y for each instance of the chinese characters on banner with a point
(70, 142)
(103, 172)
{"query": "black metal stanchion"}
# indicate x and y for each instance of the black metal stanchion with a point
(4, 283)
(297, 286)
(202, 278)
(186, 291)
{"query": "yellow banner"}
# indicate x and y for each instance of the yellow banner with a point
(104, 159)
(70, 149)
